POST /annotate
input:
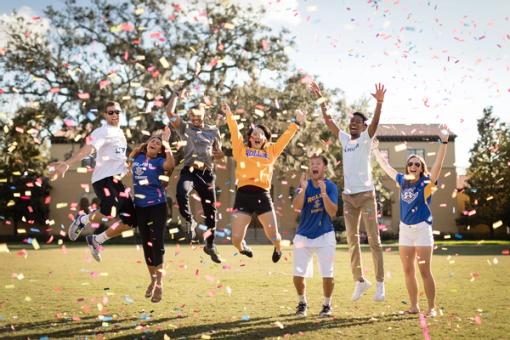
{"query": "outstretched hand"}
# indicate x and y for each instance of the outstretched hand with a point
(225, 108)
(58, 169)
(300, 116)
(316, 90)
(379, 92)
(165, 136)
(443, 133)
(303, 182)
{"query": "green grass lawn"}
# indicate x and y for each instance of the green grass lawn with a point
(64, 294)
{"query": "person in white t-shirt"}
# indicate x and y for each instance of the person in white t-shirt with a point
(359, 194)
(109, 143)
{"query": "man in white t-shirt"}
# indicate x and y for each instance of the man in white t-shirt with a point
(359, 194)
(109, 143)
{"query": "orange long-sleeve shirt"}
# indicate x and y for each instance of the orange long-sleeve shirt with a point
(255, 166)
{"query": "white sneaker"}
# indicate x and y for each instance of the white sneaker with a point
(75, 228)
(361, 287)
(379, 292)
(94, 247)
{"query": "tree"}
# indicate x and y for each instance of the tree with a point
(489, 174)
(24, 192)
(133, 50)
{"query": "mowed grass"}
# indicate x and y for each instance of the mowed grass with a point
(65, 294)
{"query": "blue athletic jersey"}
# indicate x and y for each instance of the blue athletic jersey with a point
(415, 199)
(147, 186)
(314, 220)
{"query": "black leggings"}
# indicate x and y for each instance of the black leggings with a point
(203, 181)
(151, 222)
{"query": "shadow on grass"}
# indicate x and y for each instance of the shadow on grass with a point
(258, 328)
(89, 325)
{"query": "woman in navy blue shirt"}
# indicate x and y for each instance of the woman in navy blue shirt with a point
(150, 162)
(416, 241)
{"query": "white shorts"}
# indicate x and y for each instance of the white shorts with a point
(325, 248)
(415, 235)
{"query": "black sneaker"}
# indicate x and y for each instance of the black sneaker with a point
(301, 309)
(326, 311)
(277, 255)
(246, 250)
(213, 253)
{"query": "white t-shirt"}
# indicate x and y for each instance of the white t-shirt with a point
(110, 144)
(356, 157)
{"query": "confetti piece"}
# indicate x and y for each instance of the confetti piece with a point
(35, 244)
(497, 224)
(278, 324)
(128, 233)
(4, 248)
(164, 62)
(28, 298)
(83, 95)
(229, 26)
(400, 147)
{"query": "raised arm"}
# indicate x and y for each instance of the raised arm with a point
(169, 156)
(299, 200)
(379, 96)
(441, 153)
(392, 173)
(235, 135)
(285, 138)
(324, 108)
(175, 120)
(62, 166)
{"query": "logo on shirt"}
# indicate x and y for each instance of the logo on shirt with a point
(120, 150)
(256, 153)
(409, 195)
(351, 148)
(316, 203)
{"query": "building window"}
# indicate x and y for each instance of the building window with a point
(418, 152)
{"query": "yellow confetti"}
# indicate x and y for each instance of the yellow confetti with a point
(9, 286)
(285, 243)
(229, 26)
(400, 147)
(164, 178)
(61, 205)
(278, 324)
(28, 298)
(35, 244)
(99, 307)
(81, 170)
(173, 230)
(4, 248)
(497, 224)
(128, 233)
(259, 113)
(139, 11)
(164, 62)
(22, 231)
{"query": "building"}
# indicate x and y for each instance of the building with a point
(397, 142)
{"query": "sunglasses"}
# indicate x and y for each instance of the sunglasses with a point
(416, 164)
(109, 113)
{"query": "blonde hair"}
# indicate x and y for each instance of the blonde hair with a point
(424, 168)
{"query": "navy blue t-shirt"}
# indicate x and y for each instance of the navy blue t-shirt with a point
(147, 185)
(315, 221)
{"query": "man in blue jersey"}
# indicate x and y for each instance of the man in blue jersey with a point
(317, 198)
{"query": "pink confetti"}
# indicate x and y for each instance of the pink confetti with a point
(478, 319)
(84, 95)
(103, 84)
(424, 327)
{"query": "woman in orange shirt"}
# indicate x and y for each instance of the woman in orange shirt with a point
(254, 171)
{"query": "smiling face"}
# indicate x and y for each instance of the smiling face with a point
(357, 125)
(154, 147)
(257, 138)
(317, 168)
(112, 114)
(415, 167)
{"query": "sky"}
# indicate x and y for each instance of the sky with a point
(441, 61)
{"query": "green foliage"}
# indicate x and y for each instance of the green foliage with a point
(23, 157)
(489, 173)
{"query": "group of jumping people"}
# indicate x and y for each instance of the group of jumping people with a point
(145, 206)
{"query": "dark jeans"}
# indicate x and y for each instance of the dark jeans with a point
(203, 181)
(151, 222)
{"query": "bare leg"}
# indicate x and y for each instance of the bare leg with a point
(424, 258)
(407, 256)
(270, 225)
(239, 225)
(299, 283)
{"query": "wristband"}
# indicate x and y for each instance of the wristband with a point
(445, 142)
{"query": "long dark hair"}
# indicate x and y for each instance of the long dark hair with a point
(264, 128)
